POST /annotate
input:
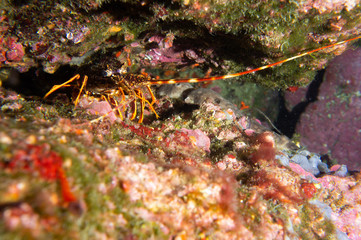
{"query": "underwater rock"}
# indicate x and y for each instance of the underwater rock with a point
(342, 194)
(331, 125)
(308, 161)
(163, 179)
(206, 173)
(202, 95)
(210, 36)
(305, 163)
(174, 90)
(198, 138)
(223, 109)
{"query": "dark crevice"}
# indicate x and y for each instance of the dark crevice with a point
(287, 120)
(122, 10)
(36, 82)
(178, 107)
(239, 48)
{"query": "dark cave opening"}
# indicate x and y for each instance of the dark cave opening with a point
(286, 121)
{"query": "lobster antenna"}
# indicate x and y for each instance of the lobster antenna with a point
(208, 79)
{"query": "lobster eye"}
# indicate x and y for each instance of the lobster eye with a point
(108, 73)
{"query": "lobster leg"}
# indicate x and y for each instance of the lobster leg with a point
(81, 89)
(56, 87)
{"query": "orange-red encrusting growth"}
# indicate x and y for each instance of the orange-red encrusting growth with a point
(66, 192)
(308, 189)
(39, 159)
(292, 89)
(272, 187)
(117, 54)
(244, 106)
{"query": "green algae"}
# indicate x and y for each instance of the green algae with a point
(311, 229)
(146, 229)
(253, 33)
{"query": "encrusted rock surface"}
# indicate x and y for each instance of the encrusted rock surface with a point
(334, 120)
(196, 37)
(196, 174)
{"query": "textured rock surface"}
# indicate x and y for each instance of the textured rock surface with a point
(200, 173)
(332, 124)
(194, 38)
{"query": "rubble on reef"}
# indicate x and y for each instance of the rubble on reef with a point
(193, 175)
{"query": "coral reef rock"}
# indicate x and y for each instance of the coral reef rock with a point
(334, 120)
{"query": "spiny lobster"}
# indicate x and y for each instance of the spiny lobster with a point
(132, 85)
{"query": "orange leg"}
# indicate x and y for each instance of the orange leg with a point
(81, 89)
(140, 95)
(56, 87)
(123, 98)
(142, 98)
(152, 95)
(135, 106)
(114, 102)
(66, 84)
(123, 95)
(151, 108)
(136, 94)
(153, 101)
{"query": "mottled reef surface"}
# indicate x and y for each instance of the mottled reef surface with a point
(207, 168)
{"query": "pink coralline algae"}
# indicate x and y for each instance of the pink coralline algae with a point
(165, 53)
(16, 52)
(343, 196)
(303, 173)
(100, 108)
(158, 56)
(11, 50)
(328, 6)
(198, 138)
(230, 162)
(334, 121)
